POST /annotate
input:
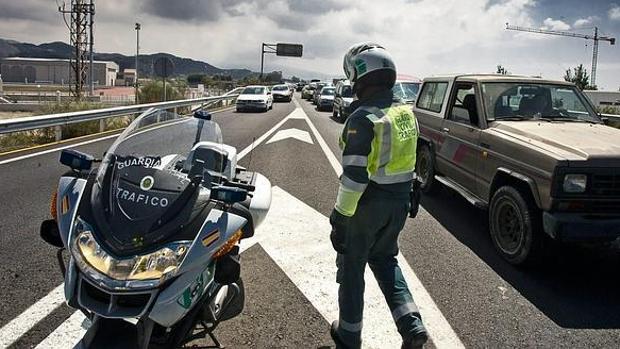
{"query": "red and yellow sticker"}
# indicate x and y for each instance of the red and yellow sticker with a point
(211, 238)
(64, 205)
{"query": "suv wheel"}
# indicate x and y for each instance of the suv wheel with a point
(515, 227)
(425, 168)
(335, 113)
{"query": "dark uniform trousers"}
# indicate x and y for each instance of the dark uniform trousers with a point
(372, 238)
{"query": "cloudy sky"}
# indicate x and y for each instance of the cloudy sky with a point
(425, 36)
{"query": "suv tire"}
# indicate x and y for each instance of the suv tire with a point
(335, 113)
(515, 226)
(425, 169)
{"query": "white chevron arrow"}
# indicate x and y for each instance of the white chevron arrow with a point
(297, 134)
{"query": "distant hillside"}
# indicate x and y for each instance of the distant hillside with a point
(182, 66)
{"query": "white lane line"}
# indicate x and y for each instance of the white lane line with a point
(333, 160)
(28, 156)
(439, 328)
(296, 237)
(10, 332)
(73, 145)
(67, 335)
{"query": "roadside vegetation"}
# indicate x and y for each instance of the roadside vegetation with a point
(153, 91)
(19, 140)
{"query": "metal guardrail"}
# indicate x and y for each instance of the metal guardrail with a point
(612, 117)
(53, 120)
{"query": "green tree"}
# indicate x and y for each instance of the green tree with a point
(195, 79)
(274, 76)
(579, 76)
(153, 91)
(501, 70)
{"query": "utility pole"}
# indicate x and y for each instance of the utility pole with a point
(138, 27)
(79, 40)
(279, 49)
(92, 43)
(596, 38)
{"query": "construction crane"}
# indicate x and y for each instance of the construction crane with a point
(596, 38)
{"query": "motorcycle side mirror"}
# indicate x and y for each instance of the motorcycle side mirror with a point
(202, 114)
(49, 233)
(229, 195)
(76, 160)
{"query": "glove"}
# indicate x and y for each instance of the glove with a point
(414, 199)
(338, 235)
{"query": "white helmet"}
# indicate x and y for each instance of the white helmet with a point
(369, 64)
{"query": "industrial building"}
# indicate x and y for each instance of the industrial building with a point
(53, 71)
(604, 98)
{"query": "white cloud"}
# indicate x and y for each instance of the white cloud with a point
(614, 12)
(585, 22)
(555, 24)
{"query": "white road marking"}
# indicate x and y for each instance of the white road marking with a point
(442, 334)
(294, 133)
(261, 139)
(75, 145)
(294, 234)
(10, 332)
(67, 335)
(333, 160)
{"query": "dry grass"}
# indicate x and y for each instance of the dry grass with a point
(24, 139)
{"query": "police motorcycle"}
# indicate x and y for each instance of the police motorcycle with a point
(153, 232)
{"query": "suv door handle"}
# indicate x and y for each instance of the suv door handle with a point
(445, 130)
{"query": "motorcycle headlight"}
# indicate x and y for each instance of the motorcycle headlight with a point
(575, 183)
(160, 264)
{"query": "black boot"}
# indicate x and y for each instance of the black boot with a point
(333, 331)
(416, 342)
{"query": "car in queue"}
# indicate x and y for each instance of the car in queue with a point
(343, 97)
(281, 93)
(254, 98)
(308, 91)
(326, 98)
(299, 86)
(534, 153)
(317, 91)
(406, 88)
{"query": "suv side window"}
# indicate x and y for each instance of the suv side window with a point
(464, 109)
(432, 96)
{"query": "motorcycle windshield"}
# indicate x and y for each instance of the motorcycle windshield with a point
(148, 189)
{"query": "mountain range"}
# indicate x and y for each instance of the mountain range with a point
(182, 66)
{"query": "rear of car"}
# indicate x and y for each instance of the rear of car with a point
(406, 89)
(326, 99)
(317, 91)
(343, 98)
(308, 91)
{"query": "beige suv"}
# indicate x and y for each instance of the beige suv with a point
(533, 152)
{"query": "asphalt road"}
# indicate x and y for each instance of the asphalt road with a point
(571, 301)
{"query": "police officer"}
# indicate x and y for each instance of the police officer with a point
(379, 151)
